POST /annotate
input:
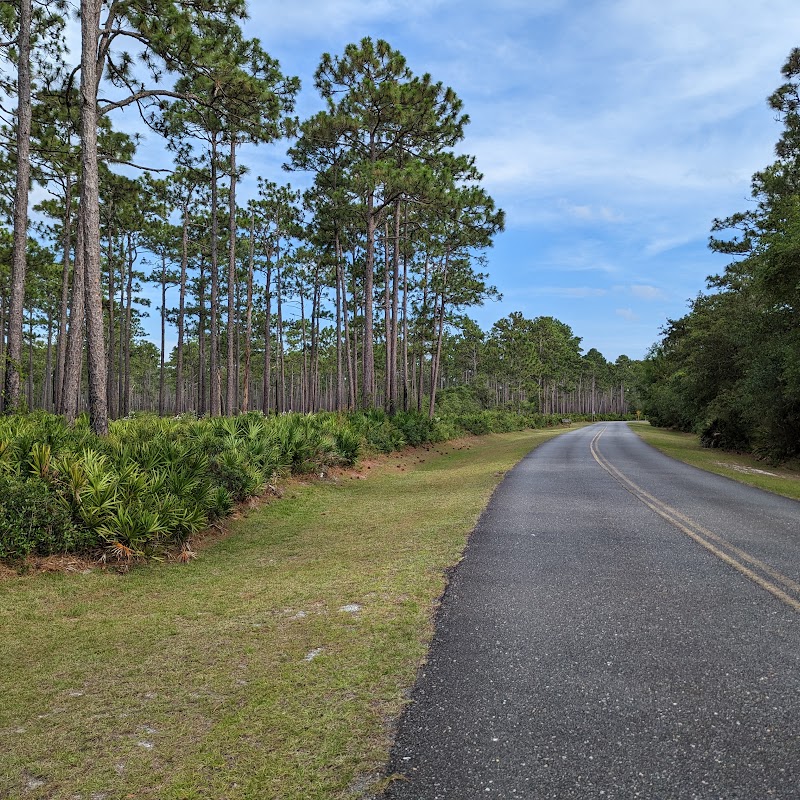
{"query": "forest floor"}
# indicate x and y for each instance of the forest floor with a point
(783, 480)
(274, 664)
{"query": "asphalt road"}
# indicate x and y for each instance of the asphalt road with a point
(622, 626)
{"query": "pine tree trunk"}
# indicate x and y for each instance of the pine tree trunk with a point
(393, 337)
(47, 384)
(248, 326)
(230, 376)
(266, 400)
(304, 363)
(124, 262)
(406, 398)
(387, 324)
(339, 370)
(180, 403)
(349, 353)
(29, 392)
(437, 355)
(215, 377)
(90, 217)
(163, 345)
(61, 347)
(75, 339)
(110, 388)
(368, 379)
(126, 393)
(202, 389)
(10, 399)
(280, 405)
(315, 304)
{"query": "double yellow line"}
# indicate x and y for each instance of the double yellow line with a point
(757, 571)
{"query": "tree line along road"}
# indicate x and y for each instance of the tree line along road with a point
(622, 626)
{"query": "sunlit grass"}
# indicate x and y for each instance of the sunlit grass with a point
(272, 666)
(738, 466)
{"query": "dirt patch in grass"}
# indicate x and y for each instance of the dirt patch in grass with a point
(745, 470)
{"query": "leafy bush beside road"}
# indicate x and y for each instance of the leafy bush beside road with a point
(155, 482)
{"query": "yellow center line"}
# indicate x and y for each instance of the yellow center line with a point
(702, 535)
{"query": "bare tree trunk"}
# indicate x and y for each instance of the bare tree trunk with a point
(387, 325)
(248, 327)
(406, 399)
(61, 347)
(74, 355)
(124, 267)
(9, 401)
(126, 394)
(315, 303)
(393, 337)
(368, 380)
(230, 376)
(180, 405)
(110, 388)
(339, 370)
(214, 379)
(201, 342)
(3, 302)
(267, 382)
(29, 393)
(304, 363)
(437, 356)
(162, 358)
(47, 384)
(349, 353)
(90, 216)
(281, 377)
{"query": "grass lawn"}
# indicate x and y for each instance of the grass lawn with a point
(743, 468)
(272, 666)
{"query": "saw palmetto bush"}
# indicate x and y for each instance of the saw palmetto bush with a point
(154, 482)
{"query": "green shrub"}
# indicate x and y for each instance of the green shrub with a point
(33, 519)
(476, 424)
(415, 428)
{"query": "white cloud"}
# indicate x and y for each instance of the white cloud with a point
(576, 292)
(590, 213)
(627, 314)
(313, 18)
(644, 292)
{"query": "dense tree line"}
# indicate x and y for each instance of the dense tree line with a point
(730, 368)
(350, 294)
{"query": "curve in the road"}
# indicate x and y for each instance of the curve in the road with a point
(586, 649)
(732, 555)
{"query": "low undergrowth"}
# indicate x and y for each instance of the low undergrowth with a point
(154, 482)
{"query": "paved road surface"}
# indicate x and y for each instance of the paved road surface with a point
(622, 626)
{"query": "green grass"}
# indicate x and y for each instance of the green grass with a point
(238, 675)
(739, 466)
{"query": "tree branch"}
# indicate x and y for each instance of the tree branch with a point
(142, 95)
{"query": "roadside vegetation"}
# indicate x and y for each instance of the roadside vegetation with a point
(153, 483)
(729, 370)
(742, 467)
(274, 664)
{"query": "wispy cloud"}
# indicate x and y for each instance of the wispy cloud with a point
(644, 292)
(627, 314)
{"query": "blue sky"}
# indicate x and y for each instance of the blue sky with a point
(611, 132)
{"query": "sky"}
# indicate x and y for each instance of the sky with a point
(612, 133)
